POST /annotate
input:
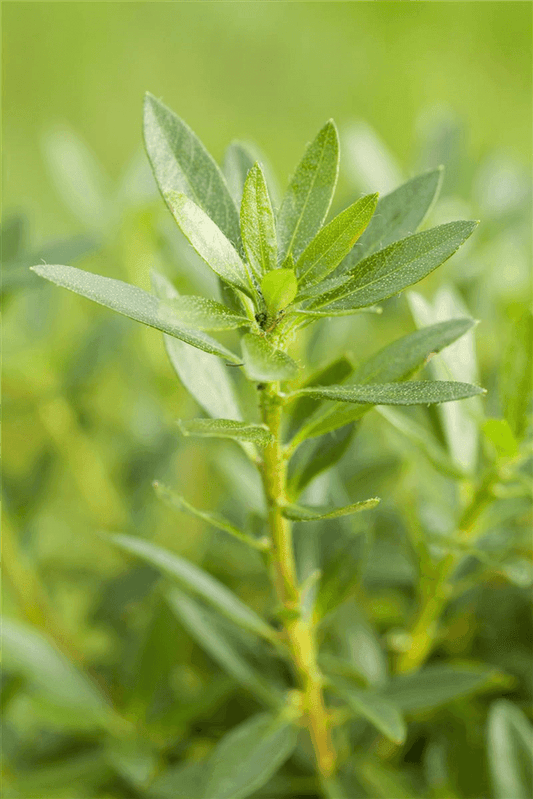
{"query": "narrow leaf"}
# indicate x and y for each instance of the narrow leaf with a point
(238, 160)
(517, 374)
(279, 288)
(258, 226)
(308, 197)
(412, 393)
(133, 302)
(328, 248)
(205, 314)
(265, 363)
(181, 163)
(314, 457)
(302, 513)
(510, 749)
(335, 372)
(227, 428)
(376, 709)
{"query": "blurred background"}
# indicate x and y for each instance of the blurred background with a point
(91, 401)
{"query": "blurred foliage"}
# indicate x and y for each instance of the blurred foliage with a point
(106, 692)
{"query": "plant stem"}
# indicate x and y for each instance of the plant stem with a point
(300, 632)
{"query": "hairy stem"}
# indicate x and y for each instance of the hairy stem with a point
(300, 632)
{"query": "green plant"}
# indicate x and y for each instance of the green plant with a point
(278, 275)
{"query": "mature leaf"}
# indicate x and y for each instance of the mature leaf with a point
(382, 780)
(308, 197)
(314, 457)
(279, 288)
(238, 160)
(335, 372)
(375, 708)
(198, 582)
(393, 269)
(331, 244)
(398, 214)
(209, 242)
(265, 363)
(227, 428)
(183, 781)
(205, 314)
(517, 374)
(423, 392)
(306, 513)
(258, 227)
(182, 164)
(510, 750)
(133, 302)
(248, 756)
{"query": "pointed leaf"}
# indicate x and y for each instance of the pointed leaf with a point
(238, 160)
(258, 226)
(197, 581)
(181, 163)
(412, 393)
(314, 457)
(308, 197)
(205, 314)
(265, 363)
(306, 513)
(510, 749)
(325, 252)
(335, 372)
(133, 302)
(248, 756)
(279, 288)
(227, 428)
(186, 780)
(376, 709)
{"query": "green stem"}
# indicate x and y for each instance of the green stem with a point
(301, 633)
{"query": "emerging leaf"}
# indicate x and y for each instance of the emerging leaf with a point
(227, 428)
(413, 393)
(265, 363)
(301, 513)
(279, 289)
(258, 226)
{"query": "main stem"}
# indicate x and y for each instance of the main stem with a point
(301, 633)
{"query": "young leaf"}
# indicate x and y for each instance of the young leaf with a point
(209, 242)
(248, 756)
(265, 363)
(133, 302)
(412, 393)
(258, 226)
(227, 428)
(197, 581)
(376, 709)
(181, 163)
(393, 269)
(301, 513)
(308, 197)
(205, 314)
(279, 289)
(314, 457)
(325, 252)
(510, 740)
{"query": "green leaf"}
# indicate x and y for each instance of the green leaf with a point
(334, 372)
(412, 393)
(325, 252)
(499, 433)
(265, 363)
(227, 428)
(248, 756)
(181, 163)
(308, 197)
(510, 750)
(205, 314)
(516, 384)
(133, 302)
(238, 160)
(398, 214)
(279, 289)
(209, 242)
(208, 635)
(314, 457)
(258, 227)
(183, 781)
(302, 513)
(390, 271)
(198, 582)
(376, 709)
(216, 520)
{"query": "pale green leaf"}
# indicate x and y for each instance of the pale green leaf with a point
(308, 197)
(499, 433)
(516, 383)
(258, 227)
(510, 750)
(239, 158)
(205, 314)
(227, 428)
(248, 756)
(263, 362)
(306, 513)
(279, 288)
(375, 708)
(133, 302)
(328, 248)
(423, 392)
(181, 163)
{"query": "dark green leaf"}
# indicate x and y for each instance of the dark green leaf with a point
(301, 513)
(423, 392)
(227, 428)
(510, 750)
(314, 457)
(258, 227)
(133, 302)
(279, 289)
(375, 708)
(263, 362)
(302, 408)
(202, 313)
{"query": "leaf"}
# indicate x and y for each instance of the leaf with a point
(265, 363)
(510, 740)
(393, 269)
(216, 520)
(227, 428)
(302, 408)
(314, 457)
(209, 242)
(279, 288)
(130, 301)
(204, 630)
(258, 226)
(238, 160)
(398, 214)
(183, 781)
(376, 709)
(412, 393)
(205, 314)
(301, 513)
(181, 163)
(325, 252)
(499, 433)
(516, 383)
(198, 582)
(202, 374)
(308, 197)
(248, 756)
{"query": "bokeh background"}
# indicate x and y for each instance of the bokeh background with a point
(91, 402)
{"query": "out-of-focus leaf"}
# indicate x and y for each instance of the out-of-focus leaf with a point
(181, 163)
(258, 227)
(134, 759)
(265, 363)
(227, 428)
(198, 582)
(516, 383)
(279, 289)
(308, 197)
(420, 392)
(376, 709)
(205, 314)
(369, 162)
(301, 513)
(302, 408)
(510, 751)
(54, 780)
(382, 780)
(499, 433)
(132, 302)
(314, 457)
(184, 781)
(248, 756)
(239, 158)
